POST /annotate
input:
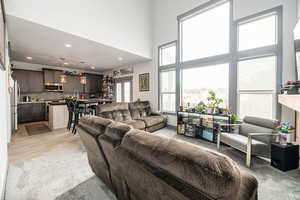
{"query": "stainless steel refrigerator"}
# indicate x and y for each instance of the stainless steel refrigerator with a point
(14, 98)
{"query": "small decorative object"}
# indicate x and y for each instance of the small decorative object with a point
(291, 87)
(144, 82)
(180, 129)
(180, 108)
(213, 102)
(285, 130)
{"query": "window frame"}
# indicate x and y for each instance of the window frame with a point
(261, 52)
(164, 68)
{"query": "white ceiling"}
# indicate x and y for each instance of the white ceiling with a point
(46, 46)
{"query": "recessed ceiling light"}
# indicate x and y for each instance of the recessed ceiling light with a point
(29, 58)
(68, 45)
(120, 59)
(92, 67)
(66, 63)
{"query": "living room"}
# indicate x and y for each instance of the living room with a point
(162, 99)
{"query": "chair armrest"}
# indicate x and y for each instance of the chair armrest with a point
(262, 134)
(253, 135)
(230, 124)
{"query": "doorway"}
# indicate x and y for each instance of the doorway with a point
(123, 89)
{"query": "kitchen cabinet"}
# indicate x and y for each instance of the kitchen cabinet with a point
(29, 81)
(52, 76)
(73, 84)
(93, 83)
(58, 116)
(31, 112)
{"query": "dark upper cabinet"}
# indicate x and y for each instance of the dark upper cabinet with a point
(52, 76)
(29, 81)
(93, 83)
(72, 85)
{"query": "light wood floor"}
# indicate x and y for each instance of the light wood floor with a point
(24, 147)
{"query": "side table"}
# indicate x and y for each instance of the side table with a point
(285, 157)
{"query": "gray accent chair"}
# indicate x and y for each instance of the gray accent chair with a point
(253, 137)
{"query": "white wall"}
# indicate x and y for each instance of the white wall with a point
(165, 30)
(4, 125)
(121, 24)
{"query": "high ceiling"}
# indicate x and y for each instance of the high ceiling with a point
(47, 46)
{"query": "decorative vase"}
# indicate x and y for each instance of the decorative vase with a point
(210, 110)
(285, 138)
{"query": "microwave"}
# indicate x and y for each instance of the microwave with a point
(54, 87)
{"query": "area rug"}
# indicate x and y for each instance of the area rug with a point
(48, 176)
(66, 175)
(35, 129)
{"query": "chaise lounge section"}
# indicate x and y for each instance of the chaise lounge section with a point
(137, 165)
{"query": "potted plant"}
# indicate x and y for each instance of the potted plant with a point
(235, 119)
(201, 108)
(285, 130)
(213, 102)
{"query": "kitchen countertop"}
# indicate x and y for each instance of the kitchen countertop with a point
(57, 103)
(31, 102)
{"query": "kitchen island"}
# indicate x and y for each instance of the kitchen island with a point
(59, 115)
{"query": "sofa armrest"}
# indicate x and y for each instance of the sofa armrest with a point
(156, 114)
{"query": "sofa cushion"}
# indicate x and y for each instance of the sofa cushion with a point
(115, 132)
(153, 120)
(115, 111)
(138, 124)
(94, 125)
(240, 142)
(213, 174)
(140, 109)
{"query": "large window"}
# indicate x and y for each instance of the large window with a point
(257, 69)
(168, 54)
(196, 82)
(168, 90)
(241, 61)
(206, 33)
(167, 77)
(257, 87)
(258, 33)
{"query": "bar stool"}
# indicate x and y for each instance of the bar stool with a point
(70, 104)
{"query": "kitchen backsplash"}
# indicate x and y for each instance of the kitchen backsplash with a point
(47, 95)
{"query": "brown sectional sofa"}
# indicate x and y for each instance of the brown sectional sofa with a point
(137, 114)
(138, 165)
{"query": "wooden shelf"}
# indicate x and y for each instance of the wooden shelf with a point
(290, 101)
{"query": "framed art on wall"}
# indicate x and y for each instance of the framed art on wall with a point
(2, 36)
(144, 82)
